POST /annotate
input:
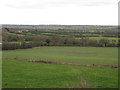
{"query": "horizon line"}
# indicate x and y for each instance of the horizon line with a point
(63, 24)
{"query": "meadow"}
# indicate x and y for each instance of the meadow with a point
(82, 55)
(22, 74)
(60, 56)
(111, 39)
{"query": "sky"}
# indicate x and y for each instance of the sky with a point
(62, 12)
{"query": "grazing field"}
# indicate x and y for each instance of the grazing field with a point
(111, 39)
(60, 56)
(81, 55)
(22, 74)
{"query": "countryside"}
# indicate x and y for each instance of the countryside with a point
(60, 56)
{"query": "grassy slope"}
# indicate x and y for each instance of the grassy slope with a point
(82, 55)
(20, 74)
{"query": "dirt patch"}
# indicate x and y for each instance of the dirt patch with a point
(64, 63)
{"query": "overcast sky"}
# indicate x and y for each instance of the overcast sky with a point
(68, 12)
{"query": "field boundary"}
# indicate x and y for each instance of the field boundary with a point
(65, 63)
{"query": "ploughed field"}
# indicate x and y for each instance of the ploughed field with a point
(24, 74)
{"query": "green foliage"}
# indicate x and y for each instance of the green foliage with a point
(48, 41)
(104, 42)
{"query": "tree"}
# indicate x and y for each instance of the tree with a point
(104, 42)
(65, 42)
(48, 41)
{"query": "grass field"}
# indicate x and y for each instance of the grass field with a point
(21, 74)
(111, 39)
(98, 38)
(82, 55)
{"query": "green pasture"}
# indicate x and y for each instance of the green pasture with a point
(46, 34)
(92, 34)
(62, 35)
(21, 74)
(98, 38)
(28, 33)
(79, 55)
(111, 39)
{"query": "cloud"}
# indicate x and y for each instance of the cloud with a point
(97, 3)
(83, 2)
(40, 4)
(84, 12)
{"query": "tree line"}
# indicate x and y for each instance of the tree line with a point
(56, 41)
(29, 41)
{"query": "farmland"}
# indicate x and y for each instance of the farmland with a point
(60, 56)
(59, 35)
(31, 75)
(19, 74)
(83, 55)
